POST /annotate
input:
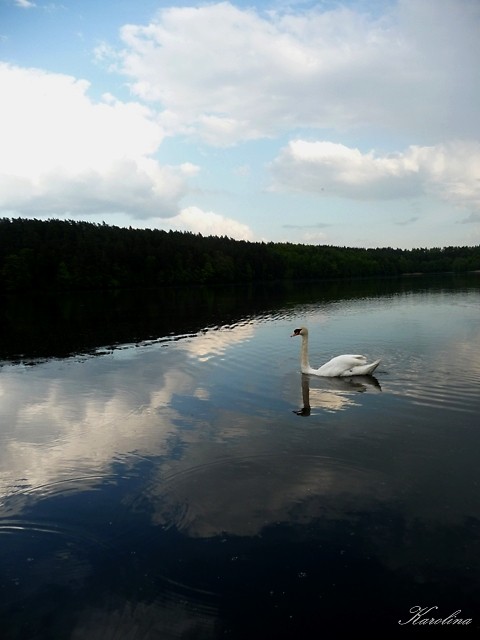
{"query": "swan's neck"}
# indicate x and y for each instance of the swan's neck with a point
(305, 365)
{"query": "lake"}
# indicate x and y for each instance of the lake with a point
(167, 472)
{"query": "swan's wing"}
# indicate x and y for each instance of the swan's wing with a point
(347, 361)
(341, 364)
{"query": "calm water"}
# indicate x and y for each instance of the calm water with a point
(167, 472)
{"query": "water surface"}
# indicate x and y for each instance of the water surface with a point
(174, 475)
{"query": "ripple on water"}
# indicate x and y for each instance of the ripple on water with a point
(439, 390)
(36, 555)
(238, 498)
(56, 542)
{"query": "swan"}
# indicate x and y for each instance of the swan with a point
(340, 366)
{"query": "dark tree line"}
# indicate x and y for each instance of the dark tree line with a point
(68, 255)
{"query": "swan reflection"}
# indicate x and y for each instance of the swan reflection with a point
(334, 394)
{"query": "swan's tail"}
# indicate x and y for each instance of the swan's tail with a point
(370, 368)
(363, 369)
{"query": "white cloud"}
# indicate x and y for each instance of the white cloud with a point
(63, 153)
(260, 74)
(448, 171)
(122, 187)
(311, 237)
(189, 169)
(209, 223)
(25, 4)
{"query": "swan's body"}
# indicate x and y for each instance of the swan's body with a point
(340, 366)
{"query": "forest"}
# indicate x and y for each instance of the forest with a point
(66, 255)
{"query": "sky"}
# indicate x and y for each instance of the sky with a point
(349, 123)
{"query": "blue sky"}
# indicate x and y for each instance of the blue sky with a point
(344, 123)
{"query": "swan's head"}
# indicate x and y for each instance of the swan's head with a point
(303, 331)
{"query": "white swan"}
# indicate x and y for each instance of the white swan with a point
(340, 366)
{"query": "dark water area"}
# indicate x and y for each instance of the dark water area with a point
(48, 325)
(167, 472)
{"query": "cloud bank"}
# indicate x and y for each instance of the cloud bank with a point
(267, 72)
(67, 154)
(449, 171)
